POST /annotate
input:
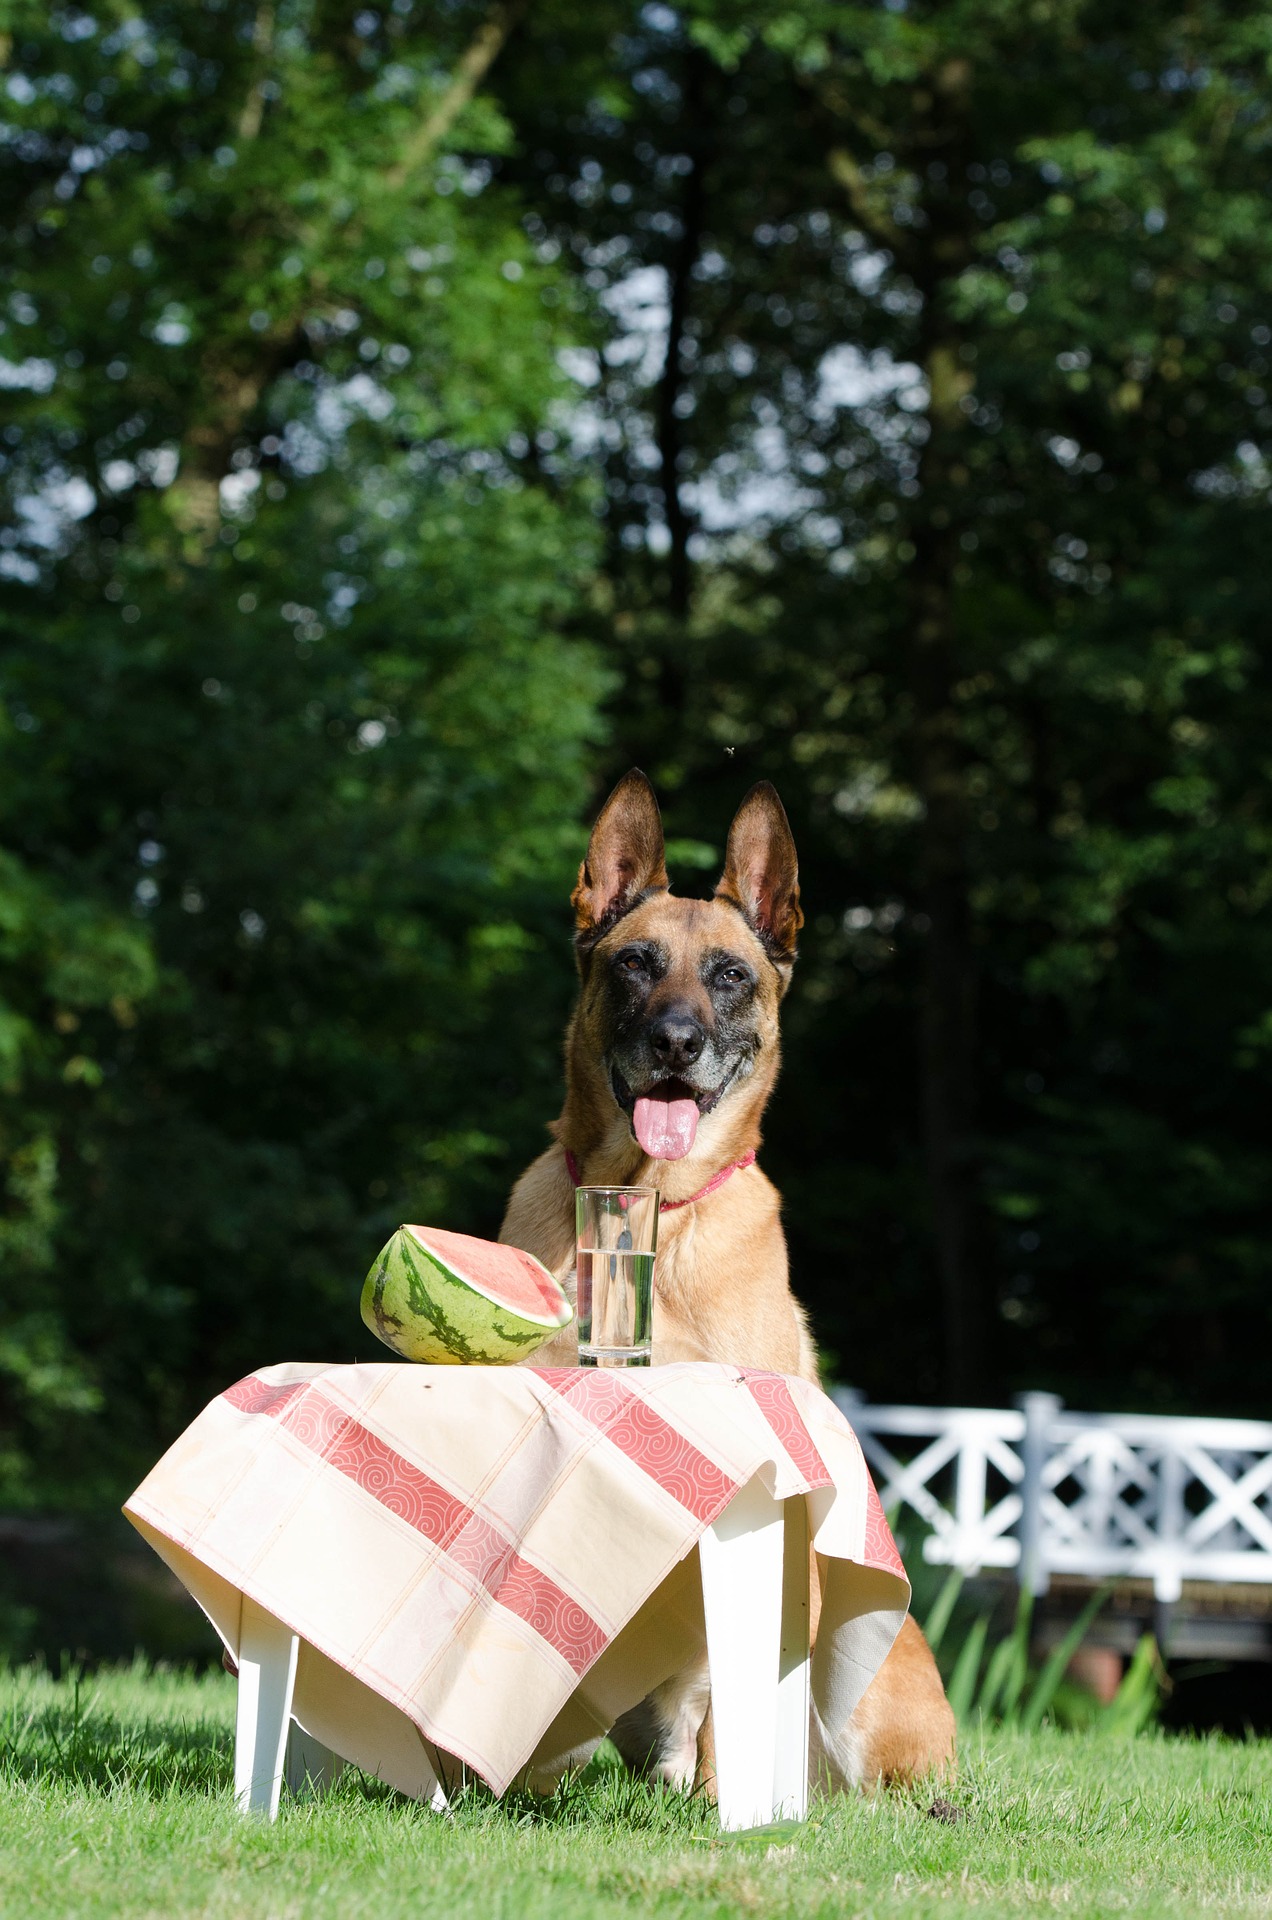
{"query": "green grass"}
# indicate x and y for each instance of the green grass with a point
(115, 1799)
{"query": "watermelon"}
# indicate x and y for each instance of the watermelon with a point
(449, 1298)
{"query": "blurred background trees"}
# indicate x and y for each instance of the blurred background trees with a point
(296, 743)
(415, 416)
(930, 387)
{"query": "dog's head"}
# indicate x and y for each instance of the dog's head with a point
(677, 1022)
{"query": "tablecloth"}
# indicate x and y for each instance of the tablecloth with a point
(494, 1563)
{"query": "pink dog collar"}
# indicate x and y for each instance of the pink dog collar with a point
(669, 1206)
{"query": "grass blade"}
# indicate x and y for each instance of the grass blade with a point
(1138, 1696)
(1008, 1664)
(1017, 1665)
(962, 1688)
(995, 1675)
(1053, 1672)
(942, 1607)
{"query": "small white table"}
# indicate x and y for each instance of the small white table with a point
(755, 1591)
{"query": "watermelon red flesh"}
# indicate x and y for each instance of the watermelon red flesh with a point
(505, 1276)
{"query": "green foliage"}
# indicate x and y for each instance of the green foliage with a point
(1134, 1705)
(296, 734)
(961, 1689)
(1009, 1691)
(395, 448)
(946, 510)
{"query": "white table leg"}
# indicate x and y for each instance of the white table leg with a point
(308, 1765)
(741, 1556)
(790, 1773)
(266, 1678)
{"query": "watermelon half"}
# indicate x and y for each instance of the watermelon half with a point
(448, 1298)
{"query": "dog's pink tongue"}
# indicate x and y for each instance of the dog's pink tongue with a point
(665, 1128)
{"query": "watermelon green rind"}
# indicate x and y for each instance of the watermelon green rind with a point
(423, 1308)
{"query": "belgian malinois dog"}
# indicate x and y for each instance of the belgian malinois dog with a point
(671, 1056)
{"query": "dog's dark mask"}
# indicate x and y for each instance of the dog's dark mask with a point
(681, 990)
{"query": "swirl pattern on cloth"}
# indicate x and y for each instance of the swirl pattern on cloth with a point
(649, 1441)
(880, 1549)
(467, 1538)
(773, 1397)
(493, 1561)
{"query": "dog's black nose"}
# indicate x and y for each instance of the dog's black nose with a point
(677, 1039)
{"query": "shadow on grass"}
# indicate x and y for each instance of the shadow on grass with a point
(603, 1795)
(161, 1733)
(71, 1734)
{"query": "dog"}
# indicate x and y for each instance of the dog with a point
(671, 1056)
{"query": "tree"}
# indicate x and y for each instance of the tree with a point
(963, 312)
(296, 734)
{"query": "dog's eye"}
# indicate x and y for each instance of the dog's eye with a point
(631, 963)
(732, 976)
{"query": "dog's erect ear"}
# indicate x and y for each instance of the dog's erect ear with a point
(624, 859)
(761, 874)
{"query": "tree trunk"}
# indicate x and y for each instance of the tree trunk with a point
(474, 64)
(934, 252)
(680, 288)
(948, 1016)
(947, 1024)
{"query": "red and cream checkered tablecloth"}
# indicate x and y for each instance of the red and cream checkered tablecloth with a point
(498, 1561)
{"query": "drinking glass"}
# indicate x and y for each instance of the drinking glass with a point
(617, 1241)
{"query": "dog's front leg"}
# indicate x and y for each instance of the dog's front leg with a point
(660, 1737)
(704, 1778)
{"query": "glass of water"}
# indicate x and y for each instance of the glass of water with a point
(617, 1241)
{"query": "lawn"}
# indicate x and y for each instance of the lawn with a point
(115, 1799)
